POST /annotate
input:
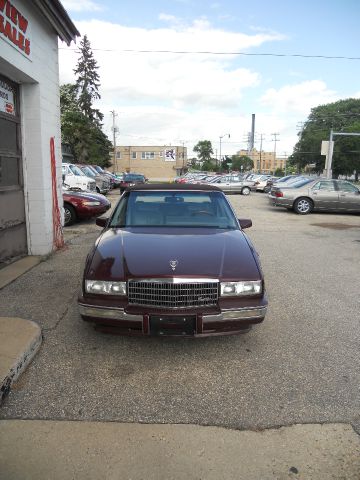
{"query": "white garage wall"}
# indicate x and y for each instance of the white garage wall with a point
(40, 113)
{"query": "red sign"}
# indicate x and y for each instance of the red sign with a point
(9, 107)
(13, 27)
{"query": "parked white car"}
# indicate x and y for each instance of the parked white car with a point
(260, 182)
(75, 178)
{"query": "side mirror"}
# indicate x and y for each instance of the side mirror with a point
(102, 221)
(245, 222)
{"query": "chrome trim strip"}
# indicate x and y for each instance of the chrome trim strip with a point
(175, 280)
(108, 312)
(243, 314)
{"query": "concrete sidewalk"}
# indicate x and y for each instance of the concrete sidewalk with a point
(61, 450)
(20, 339)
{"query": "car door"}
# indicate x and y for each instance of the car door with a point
(325, 196)
(235, 184)
(349, 196)
(224, 184)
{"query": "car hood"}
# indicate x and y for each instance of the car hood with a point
(68, 194)
(208, 253)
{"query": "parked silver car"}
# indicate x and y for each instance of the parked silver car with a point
(318, 194)
(233, 184)
(102, 183)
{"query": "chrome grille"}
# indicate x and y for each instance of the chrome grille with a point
(171, 294)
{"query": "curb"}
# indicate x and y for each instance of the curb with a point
(19, 342)
(13, 271)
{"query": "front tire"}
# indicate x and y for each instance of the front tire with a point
(245, 191)
(69, 215)
(303, 206)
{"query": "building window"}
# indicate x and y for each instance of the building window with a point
(133, 155)
(161, 153)
(147, 155)
(118, 155)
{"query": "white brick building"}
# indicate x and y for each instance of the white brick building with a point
(29, 118)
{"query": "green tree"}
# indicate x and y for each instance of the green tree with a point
(208, 165)
(341, 116)
(87, 141)
(241, 163)
(204, 150)
(80, 122)
(88, 82)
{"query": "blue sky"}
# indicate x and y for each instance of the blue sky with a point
(170, 98)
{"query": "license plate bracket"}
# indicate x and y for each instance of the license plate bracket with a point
(172, 325)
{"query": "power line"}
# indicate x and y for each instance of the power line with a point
(209, 52)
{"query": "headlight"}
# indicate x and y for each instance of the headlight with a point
(233, 289)
(89, 204)
(105, 288)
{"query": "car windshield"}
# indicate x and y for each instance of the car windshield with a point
(76, 171)
(132, 178)
(174, 209)
(88, 171)
(90, 167)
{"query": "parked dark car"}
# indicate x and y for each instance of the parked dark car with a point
(173, 260)
(131, 179)
(81, 205)
(318, 194)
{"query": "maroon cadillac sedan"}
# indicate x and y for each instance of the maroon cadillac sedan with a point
(173, 259)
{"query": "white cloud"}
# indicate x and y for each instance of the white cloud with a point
(298, 98)
(166, 98)
(176, 79)
(81, 5)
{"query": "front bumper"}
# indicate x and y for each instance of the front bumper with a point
(280, 201)
(117, 320)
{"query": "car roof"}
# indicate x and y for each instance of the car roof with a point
(174, 186)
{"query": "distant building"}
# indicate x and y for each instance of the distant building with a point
(264, 162)
(161, 163)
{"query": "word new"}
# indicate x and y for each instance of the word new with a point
(13, 26)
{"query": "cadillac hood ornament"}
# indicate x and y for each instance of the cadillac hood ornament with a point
(173, 264)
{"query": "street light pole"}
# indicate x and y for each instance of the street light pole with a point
(114, 129)
(220, 138)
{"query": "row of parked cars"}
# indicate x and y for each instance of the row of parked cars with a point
(84, 190)
(85, 187)
(300, 193)
(228, 183)
(89, 178)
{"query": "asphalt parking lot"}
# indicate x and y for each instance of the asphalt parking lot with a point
(300, 366)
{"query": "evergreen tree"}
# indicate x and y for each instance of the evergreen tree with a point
(80, 122)
(88, 82)
(86, 140)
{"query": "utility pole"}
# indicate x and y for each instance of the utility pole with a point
(261, 142)
(285, 160)
(114, 129)
(275, 135)
(183, 156)
(220, 138)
